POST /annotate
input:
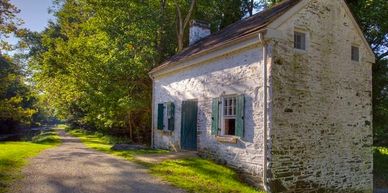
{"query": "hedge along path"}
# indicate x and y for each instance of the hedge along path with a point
(72, 167)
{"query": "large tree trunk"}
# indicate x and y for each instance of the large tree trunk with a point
(182, 24)
(159, 33)
(130, 126)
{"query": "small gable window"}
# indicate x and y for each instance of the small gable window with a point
(299, 40)
(355, 53)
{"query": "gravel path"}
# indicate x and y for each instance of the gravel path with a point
(72, 167)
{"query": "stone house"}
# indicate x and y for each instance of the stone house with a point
(284, 97)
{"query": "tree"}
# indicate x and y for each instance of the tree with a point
(16, 99)
(9, 24)
(182, 23)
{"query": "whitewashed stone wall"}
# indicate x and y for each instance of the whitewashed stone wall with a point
(237, 73)
(322, 107)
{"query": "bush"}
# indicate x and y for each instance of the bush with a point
(47, 137)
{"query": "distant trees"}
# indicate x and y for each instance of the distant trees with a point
(16, 99)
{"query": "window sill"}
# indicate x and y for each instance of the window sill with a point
(227, 139)
(300, 51)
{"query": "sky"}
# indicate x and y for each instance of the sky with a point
(34, 13)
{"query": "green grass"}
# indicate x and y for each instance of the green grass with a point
(14, 155)
(103, 143)
(194, 175)
(201, 176)
(380, 158)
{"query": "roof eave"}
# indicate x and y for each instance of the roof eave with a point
(226, 44)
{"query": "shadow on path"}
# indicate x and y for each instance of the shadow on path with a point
(72, 167)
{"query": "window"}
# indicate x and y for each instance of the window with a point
(229, 116)
(355, 53)
(300, 40)
(165, 119)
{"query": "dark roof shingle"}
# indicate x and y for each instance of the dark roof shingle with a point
(234, 31)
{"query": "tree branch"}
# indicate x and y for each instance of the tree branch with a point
(188, 16)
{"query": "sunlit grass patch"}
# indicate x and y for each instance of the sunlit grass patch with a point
(202, 176)
(47, 137)
(14, 155)
(103, 143)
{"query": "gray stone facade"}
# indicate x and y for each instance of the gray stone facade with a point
(319, 102)
(322, 105)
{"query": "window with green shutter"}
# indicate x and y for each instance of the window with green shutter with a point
(215, 116)
(170, 116)
(160, 124)
(231, 119)
(240, 108)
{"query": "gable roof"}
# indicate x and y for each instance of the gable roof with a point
(234, 31)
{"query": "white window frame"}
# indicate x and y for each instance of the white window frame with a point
(221, 112)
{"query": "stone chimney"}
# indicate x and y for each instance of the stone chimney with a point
(198, 30)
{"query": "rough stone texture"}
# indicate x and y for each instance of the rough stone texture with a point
(322, 112)
(234, 73)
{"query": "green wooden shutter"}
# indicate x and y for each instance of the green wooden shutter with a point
(215, 116)
(240, 107)
(170, 115)
(160, 116)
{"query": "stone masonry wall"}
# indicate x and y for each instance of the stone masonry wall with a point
(236, 73)
(322, 107)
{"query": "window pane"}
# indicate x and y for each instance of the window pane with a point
(230, 125)
(230, 106)
(300, 40)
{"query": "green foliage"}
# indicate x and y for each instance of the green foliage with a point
(199, 175)
(91, 66)
(46, 137)
(16, 98)
(9, 24)
(380, 166)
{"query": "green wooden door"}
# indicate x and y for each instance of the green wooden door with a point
(189, 125)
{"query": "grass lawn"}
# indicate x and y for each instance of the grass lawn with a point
(194, 175)
(201, 176)
(103, 143)
(381, 166)
(13, 156)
